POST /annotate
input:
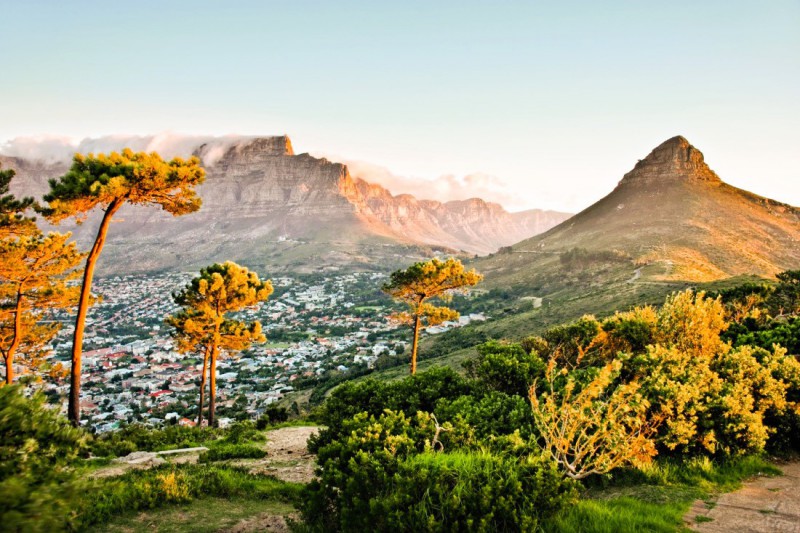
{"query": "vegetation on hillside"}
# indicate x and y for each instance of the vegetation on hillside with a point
(684, 398)
(654, 393)
(422, 282)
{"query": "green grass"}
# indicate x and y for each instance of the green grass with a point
(620, 515)
(121, 498)
(363, 308)
(295, 423)
(205, 515)
(226, 451)
(276, 345)
(655, 498)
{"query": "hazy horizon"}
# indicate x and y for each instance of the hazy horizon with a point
(536, 106)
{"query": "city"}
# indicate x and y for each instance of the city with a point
(133, 372)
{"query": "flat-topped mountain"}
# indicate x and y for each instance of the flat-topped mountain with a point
(264, 205)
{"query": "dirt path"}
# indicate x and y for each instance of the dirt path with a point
(287, 454)
(765, 504)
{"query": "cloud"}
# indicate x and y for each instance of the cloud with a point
(445, 188)
(168, 144)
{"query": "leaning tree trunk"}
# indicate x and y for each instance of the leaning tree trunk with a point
(74, 411)
(414, 344)
(203, 386)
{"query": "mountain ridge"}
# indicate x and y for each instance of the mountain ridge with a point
(260, 198)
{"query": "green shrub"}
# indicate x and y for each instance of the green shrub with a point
(409, 395)
(225, 451)
(242, 432)
(37, 451)
(355, 467)
(273, 414)
(492, 414)
(137, 437)
(505, 367)
(471, 491)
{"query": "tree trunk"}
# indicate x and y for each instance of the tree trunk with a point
(203, 386)
(414, 344)
(212, 396)
(9, 369)
(74, 411)
(15, 342)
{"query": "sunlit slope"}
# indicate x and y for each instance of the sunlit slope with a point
(673, 216)
(671, 223)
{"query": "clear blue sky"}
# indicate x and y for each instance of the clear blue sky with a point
(557, 99)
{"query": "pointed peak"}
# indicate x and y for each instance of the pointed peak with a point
(673, 159)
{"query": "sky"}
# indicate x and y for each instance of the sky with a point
(535, 104)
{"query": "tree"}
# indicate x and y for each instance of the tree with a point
(204, 325)
(787, 292)
(422, 282)
(593, 428)
(109, 182)
(34, 275)
(13, 222)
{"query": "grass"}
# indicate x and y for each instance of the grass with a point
(205, 515)
(655, 498)
(276, 345)
(294, 423)
(119, 499)
(620, 515)
(232, 451)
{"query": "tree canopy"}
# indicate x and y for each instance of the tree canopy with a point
(12, 209)
(110, 181)
(35, 272)
(204, 323)
(424, 281)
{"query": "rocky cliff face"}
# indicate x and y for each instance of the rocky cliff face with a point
(674, 159)
(264, 204)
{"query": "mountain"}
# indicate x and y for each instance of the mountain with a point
(670, 223)
(265, 206)
(673, 216)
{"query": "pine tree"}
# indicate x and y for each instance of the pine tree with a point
(13, 222)
(109, 182)
(422, 282)
(204, 325)
(34, 275)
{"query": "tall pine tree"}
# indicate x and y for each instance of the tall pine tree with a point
(109, 182)
(204, 323)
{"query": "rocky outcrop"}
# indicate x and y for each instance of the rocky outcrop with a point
(259, 195)
(674, 159)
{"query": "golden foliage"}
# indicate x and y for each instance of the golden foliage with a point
(203, 324)
(594, 427)
(126, 177)
(35, 272)
(424, 281)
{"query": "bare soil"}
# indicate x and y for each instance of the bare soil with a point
(287, 455)
(764, 504)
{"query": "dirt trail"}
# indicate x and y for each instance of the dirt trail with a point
(765, 504)
(287, 454)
